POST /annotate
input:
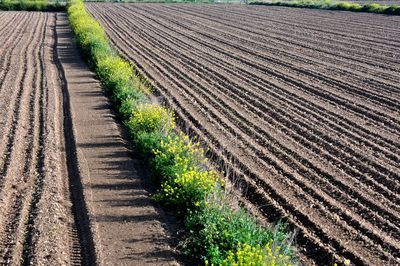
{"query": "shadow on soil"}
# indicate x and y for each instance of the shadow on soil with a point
(125, 170)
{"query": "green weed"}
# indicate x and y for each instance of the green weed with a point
(218, 235)
(345, 6)
(31, 5)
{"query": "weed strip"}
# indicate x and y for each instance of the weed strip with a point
(215, 232)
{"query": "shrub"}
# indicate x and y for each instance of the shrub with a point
(347, 6)
(256, 256)
(185, 179)
(218, 235)
(31, 5)
(326, 4)
(392, 10)
(114, 71)
(6, 5)
(151, 118)
(373, 8)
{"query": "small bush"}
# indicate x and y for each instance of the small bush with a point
(256, 256)
(217, 235)
(346, 6)
(114, 71)
(31, 5)
(185, 180)
(373, 8)
(6, 5)
(392, 10)
(151, 118)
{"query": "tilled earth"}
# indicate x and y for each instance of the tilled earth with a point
(34, 199)
(71, 191)
(301, 107)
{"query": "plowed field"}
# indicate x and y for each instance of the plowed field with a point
(69, 184)
(32, 188)
(302, 107)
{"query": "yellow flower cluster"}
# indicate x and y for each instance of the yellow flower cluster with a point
(151, 118)
(190, 182)
(247, 255)
(186, 151)
(115, 67)
(189, 188)
(84, 26)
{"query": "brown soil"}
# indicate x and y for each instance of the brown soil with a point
(71, 190)
(304, 115)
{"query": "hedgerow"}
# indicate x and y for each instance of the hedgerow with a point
(215, 233)
(345, 6)
(31, 5)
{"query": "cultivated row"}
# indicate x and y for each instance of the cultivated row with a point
(305, 116)
(36, 220)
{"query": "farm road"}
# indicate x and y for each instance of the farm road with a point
(71, 190)
(301, 107)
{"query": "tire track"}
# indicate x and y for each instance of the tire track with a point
(82, 247)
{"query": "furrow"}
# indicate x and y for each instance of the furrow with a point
(10, 46)
(261, 42)
(274, 40)
(271, 92)
(311, 99)
(38, 160)
(241, 96)
(233, 131)
(21, 178)
(252, 57)
(296, 158)
(13, 99)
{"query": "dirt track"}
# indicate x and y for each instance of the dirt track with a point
(305, 115)
(70, 191)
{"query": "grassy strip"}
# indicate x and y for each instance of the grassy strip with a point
(345, 6)
(171, 1)
(31, 5)
(216, 234)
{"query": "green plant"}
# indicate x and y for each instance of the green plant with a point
(6, 5)
(217, 234)
(373, 8)
(185, 180)
(392, 10)
(327, 4)
(347, 6)
(31, 5)
(256, 256)
(147, 117)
